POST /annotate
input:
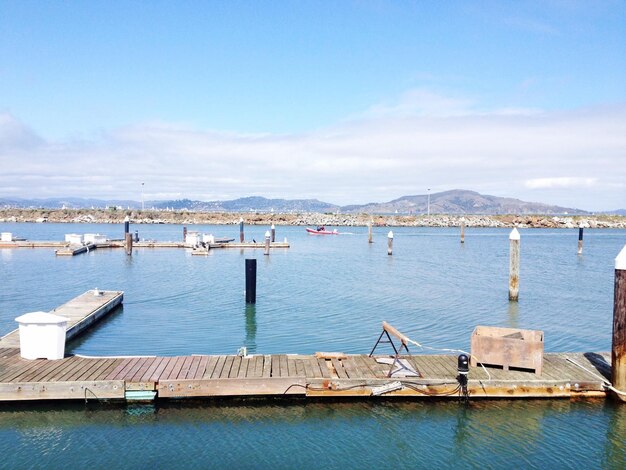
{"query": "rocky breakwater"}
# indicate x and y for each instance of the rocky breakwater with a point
(305, 219)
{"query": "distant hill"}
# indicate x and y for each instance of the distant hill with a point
(448, 202)
(459, 201)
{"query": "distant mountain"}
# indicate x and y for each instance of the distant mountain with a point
(248, 204)
(616, 212)
(448, 202)
(459, 201)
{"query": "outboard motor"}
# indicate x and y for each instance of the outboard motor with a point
(463, 369)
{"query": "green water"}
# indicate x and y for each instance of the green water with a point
(324, 293)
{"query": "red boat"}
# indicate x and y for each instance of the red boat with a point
(321, 231)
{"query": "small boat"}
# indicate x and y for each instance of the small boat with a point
(321, 231)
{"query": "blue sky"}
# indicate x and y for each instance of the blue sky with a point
(348, 102)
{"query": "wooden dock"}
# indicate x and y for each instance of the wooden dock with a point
(319, 376)
(282, 375)
(65, 249)
(81, 312)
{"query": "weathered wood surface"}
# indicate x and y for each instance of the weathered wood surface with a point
(81, 313)
(295, 375)
(618, 349)
(73, 250)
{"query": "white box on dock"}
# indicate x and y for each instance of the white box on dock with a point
(208, 238)
(6, 237)
(74, 238)
(42, 335)
(192, 238)
(95, 238)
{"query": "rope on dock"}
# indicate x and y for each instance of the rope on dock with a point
(605, 382)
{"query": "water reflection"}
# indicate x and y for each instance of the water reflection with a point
(250, 315)
(513, 315)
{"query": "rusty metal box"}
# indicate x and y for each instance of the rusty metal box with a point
(507, 347)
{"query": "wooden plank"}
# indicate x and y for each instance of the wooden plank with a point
(135, 376)
(71, 373)
(204, 360)
(234, 369)
(232, 387)
(185, 369)
(365, 367)
(210, 367)
(147, 373)
(19, 367)
(324, 368)
(115, 372)
(178, 365)
(284, 368)
(218, 367)
(300, 372)
(167, 371)
(193, 369)
(161, 368)
(62, 390)
(339, 369)
(243, 368)
(45, 366)
(103, 365)
(228, 363)
(291, 367)
(315, 367)
(258, 366)
(267, 366)
(275, 365)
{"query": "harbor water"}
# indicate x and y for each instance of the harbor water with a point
(325, 293)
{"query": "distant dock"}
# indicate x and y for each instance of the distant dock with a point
(319, 376)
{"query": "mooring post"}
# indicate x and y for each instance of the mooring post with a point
(369, 232)
(618, 350)
(273, 229)
(267, 243)
(580, 239)
(514, 241)
(241, 230)
(251, 281)
(128, 243)
(184, 233)
(390, 242)
(462, 229)
(126, 225)
(136, 235)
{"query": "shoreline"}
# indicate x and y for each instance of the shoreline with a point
(96, 216)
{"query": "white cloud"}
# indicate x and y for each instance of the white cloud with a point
(560, 182)
(379, 157)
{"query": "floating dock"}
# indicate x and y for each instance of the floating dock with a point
(319, 376)
(65, 249)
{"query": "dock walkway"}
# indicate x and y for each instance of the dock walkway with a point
(323, 375)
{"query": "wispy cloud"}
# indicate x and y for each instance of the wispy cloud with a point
(561, 182)
(436, 143)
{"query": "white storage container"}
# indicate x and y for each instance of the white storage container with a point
(192, 238)
(95, 238)
(74, 238)
(208, 238)
(6, 237)
(42, 335)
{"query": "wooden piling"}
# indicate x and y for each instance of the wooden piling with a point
(273, 229)
(369, 232)
(128, 244)
(184, 233)
(390, 243)
(241, 238)
(267, 243)
(126, 225)
(514, 259)
(580, 239)
(462, 229)
(618, 349)
(251, 281)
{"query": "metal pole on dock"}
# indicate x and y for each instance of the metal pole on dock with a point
(251, 281)
(267, 243)
(126, 225)
(390, 242)
(136, 235)
(580, 239)
(369, 232)
(514, 241)
(273, 229)
(618, 349)
(241, 230)
(462, 229)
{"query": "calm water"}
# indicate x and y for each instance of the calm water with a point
(324, 293)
